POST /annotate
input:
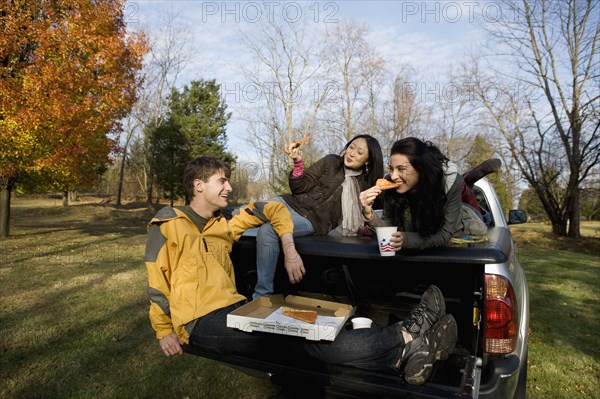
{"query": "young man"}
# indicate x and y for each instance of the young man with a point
(191, 286)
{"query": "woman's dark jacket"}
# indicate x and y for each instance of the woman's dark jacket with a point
(317, 194)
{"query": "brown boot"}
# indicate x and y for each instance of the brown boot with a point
(481, 170)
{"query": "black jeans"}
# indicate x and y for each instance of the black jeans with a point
(377, 348)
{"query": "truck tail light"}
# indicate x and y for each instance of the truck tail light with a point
(500, 315)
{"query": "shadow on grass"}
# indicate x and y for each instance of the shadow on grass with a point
(75, 343)
(91, 219)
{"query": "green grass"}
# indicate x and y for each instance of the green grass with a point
(564, 329)
(73, 314)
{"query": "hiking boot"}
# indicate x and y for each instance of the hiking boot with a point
(431, 307)
(481, 170)
(420, 354)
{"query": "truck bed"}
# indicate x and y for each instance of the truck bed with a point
(385, 289)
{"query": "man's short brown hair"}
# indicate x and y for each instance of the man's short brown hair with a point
(202, 168)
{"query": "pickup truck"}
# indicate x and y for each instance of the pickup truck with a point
(485, 290)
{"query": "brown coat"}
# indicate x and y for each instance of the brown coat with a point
(317, 194)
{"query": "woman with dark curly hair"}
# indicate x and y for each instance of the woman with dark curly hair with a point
(427, 206)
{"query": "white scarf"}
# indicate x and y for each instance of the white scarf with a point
(351, 213)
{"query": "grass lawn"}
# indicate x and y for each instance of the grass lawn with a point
(564, 328)
(73, 314)
(73, 320)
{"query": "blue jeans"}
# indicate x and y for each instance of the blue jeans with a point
(268, 249)
(377, 348)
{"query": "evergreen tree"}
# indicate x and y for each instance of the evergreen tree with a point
(201, 115)
(170, 158)
(530, 203)
(195, 126)
(481, 151)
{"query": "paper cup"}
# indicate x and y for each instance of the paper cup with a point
(384, 234)
(361, 322)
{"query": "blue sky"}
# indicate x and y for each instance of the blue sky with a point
(430, 35)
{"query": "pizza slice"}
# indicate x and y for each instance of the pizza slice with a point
(300, 142)
(385, 184)
(307, 316)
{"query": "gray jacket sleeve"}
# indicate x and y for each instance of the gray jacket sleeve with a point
(377, 221)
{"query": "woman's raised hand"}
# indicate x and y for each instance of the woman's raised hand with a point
(367, 198)
(293, 151)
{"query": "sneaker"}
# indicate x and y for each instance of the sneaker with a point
(481, 170)
(420, 354)
(427, 312)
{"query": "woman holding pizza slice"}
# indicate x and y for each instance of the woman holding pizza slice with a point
(427, 199)
(324, 197)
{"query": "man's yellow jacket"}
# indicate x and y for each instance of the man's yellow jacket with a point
(190, 273)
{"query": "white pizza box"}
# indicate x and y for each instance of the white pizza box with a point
(265, 315)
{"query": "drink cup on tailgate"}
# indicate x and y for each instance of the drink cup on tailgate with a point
(361, 322)
(384, 234)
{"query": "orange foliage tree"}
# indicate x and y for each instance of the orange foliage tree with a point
(68, 75)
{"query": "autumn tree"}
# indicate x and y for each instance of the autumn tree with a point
(67, 76)
(547, 108)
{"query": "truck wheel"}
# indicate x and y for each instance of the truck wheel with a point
(522, 384)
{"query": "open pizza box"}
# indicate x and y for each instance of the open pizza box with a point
(265, 315)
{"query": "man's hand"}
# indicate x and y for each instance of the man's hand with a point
(171, 345)
(292, 260)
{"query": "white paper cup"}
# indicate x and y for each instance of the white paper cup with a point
(361, 322)
(384, 234)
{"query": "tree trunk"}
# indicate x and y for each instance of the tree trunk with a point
(573, 189)
(120, 182)
(5, 192)
(122, 168)
(558, 219)
(149, 181)
(575, 216)
(560, 229)
(65, 199)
